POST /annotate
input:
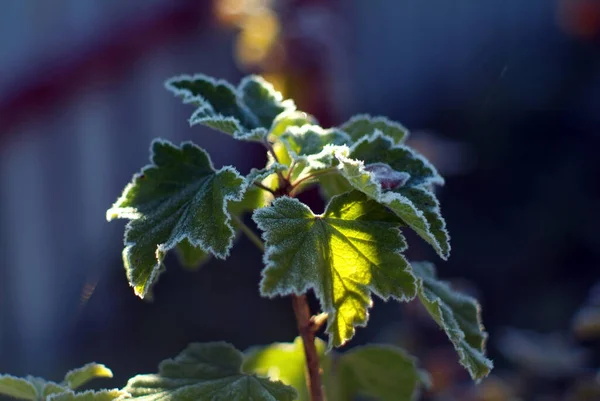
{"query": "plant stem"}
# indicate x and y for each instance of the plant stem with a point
(249, 233)
(307, 333)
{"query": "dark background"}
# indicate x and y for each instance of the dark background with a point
(502, 95)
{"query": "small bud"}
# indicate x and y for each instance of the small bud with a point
(386, 176)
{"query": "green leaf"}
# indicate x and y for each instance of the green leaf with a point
(459, 316)
(46, 388)
(246, 112)
(17, 388)
(314, 145)
(179, 196)
(208, 371)
(344, 255)
(401, 183)
(364, 125)
(285, 362)
(289, 119)
(191, 257)
(78, 377)
(101, 395)
(382, 372)
(378, 148)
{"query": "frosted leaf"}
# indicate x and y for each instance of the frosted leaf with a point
(100, 395)
(260, 174)
(178, 196)
(289, 119)
(401, 183)
(78, 377)
(210, 371)
(17, 388)
(38, 389)
(286, 362)
(378, 372)
(459, 316)
(314, 145)
(246, 112)
(378, 148)
(344, 255)
(364, 125)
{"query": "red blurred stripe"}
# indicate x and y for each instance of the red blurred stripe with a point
(111, 57)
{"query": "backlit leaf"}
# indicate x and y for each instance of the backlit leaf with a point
(285, 362)
(78, 377)
(178, 196)
(210, 371)
(364, 125)
(314, 145)
(246, 112)
(459, 316)
(398, 178)
(344, 255)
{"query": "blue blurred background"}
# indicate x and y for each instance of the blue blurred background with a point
(502, 95)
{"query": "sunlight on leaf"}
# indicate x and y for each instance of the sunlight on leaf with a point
(344, 255)
(78, 377)
(285, 362)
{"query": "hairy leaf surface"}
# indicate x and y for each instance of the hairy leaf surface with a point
(403, 186)
(179, 196)
(246, 112)
(285, 362)
(208, 371)
(314, 145)
(344, 255)
(459, 316)
(379, 372)
(363, 125)
(18, 388)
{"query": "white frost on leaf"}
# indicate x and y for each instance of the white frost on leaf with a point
(362, 125)
(178, 196)
(349, 252)
(407, 194)
(247, 112)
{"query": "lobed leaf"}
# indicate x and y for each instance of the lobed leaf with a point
(378, 148)
(401, 183)
(344, 255)
(459, 316)
(363, 125)
(246, 112)
(178, 196)
(78, 377)
(380, 372)
(285, 362)
(208, 371)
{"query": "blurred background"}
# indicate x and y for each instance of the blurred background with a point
(502, 95)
